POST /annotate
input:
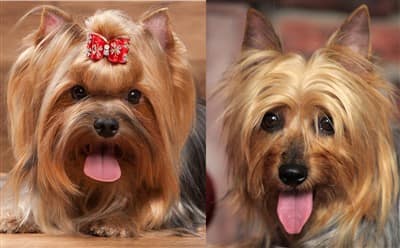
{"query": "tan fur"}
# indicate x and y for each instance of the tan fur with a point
(49, 129)
(354, 173)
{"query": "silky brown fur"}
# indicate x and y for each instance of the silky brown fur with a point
(50, 131)
(354, 173)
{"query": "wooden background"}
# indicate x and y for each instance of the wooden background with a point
(152, 240)
(188, 21)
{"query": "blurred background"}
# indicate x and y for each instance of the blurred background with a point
(187, 18)
(303, 26)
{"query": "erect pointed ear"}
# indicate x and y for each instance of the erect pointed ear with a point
(157, 22)
(354, 32)
(259, 33)
(51, 19)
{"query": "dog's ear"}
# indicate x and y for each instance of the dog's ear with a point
(259, 33)
(158, 24)
(354, 32)
(51, 19)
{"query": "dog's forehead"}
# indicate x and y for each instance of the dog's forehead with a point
(306, 87)
(111, 78)
(103, 75)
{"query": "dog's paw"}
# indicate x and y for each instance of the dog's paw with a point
(111, 229)
(13, 225)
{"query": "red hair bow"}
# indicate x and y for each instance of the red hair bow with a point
(116, 50)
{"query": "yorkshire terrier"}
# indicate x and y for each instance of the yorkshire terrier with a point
(106, 129)
(310, 142)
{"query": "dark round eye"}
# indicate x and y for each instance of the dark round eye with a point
(134, 96)
(325, 125)
(78, 92)
(272, 122)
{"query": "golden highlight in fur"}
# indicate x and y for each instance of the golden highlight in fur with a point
(52, 132)
(330, 117)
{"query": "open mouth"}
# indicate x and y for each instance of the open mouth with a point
(101, 163)
(294, 209)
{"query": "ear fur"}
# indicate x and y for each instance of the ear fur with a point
(158, 24)
(259, 33)
(51, 19)
(354, 33)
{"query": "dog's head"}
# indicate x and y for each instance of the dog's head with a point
(311, 137)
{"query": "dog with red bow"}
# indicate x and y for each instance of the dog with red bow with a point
(106, 129)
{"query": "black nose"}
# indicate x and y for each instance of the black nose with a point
(106, 127)
(293, 174)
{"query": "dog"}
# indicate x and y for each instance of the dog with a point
(310, 141)
(106, 129)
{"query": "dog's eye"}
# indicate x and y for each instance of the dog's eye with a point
(325, 125)
(272, 122)
(78, 92)
(134, 96)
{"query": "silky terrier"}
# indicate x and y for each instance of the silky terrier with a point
(310, 142)
(106, 129)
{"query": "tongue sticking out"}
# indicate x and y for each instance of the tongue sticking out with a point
(294, 209)
(102, 167)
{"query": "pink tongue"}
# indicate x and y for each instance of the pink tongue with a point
(294, 209)
(102, 167)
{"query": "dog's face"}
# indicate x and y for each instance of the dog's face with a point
(108, 117)
(95, 121)
(308, 148)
